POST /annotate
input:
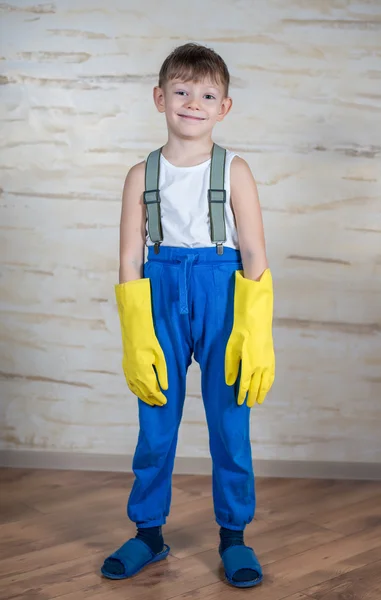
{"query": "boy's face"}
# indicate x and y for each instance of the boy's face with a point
(192, 108)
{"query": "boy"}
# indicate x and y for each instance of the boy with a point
(206, 290)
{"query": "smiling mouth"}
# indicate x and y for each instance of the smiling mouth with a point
(193, 118)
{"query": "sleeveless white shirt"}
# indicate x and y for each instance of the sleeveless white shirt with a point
(184, 205)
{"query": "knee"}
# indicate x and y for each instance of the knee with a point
(234, 436)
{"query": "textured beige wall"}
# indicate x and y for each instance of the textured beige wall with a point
(77, 113)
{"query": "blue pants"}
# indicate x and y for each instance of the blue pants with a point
(192, 304)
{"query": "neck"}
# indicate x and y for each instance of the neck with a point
(187, 152)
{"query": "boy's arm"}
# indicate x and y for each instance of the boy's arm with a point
(141, 349)
(247, 212)
(132, 226)
(250, 346)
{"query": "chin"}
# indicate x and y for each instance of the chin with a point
(193, 130)
(185, 135)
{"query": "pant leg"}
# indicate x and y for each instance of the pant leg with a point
(150, 498)
(228, 423)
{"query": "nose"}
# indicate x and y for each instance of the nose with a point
(193, 104)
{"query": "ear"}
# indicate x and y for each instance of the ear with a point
(225, 107)
(159, 99)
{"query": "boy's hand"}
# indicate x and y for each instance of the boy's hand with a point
(251, 339)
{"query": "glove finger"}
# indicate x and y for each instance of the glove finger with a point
(150, 390)
(160, 399)
(267, 381)
(142, 395)
(255, 386)
(154, 401)
(264, 387)
(232, 360)
(146, 401)
(132, 387)
(161, 368)
(147, 390)
(154, 398)
(244, 384)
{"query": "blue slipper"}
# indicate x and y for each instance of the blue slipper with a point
(241, 557)
(134, 556)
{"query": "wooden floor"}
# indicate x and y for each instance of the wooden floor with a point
(316, 539)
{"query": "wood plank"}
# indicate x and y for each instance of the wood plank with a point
(15, 511)
(351, 518)
(314, 498)
(360, 583)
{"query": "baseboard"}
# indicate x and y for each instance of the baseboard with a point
(36, 459)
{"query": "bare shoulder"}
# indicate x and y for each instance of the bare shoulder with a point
(135, 176)
(239, 163)
(139, 168)
(240, 168)
(134, 184)
(242, 182)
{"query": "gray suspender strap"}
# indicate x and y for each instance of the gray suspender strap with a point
(151, 198)
(217, 198)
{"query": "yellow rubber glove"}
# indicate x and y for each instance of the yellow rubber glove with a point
(141, 348)
(251, 339)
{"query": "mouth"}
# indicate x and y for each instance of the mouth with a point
(192, 118)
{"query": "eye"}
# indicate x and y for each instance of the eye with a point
(210, 96)
(180, 92)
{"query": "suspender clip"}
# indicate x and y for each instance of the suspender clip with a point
(151, 196)
(218, 196)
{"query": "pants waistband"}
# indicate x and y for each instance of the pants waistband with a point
(187, 258)
(196, 255)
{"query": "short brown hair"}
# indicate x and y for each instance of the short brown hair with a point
(194, 62)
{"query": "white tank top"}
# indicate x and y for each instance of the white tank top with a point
(185, 209)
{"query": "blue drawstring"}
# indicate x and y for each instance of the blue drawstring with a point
(184, 276)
